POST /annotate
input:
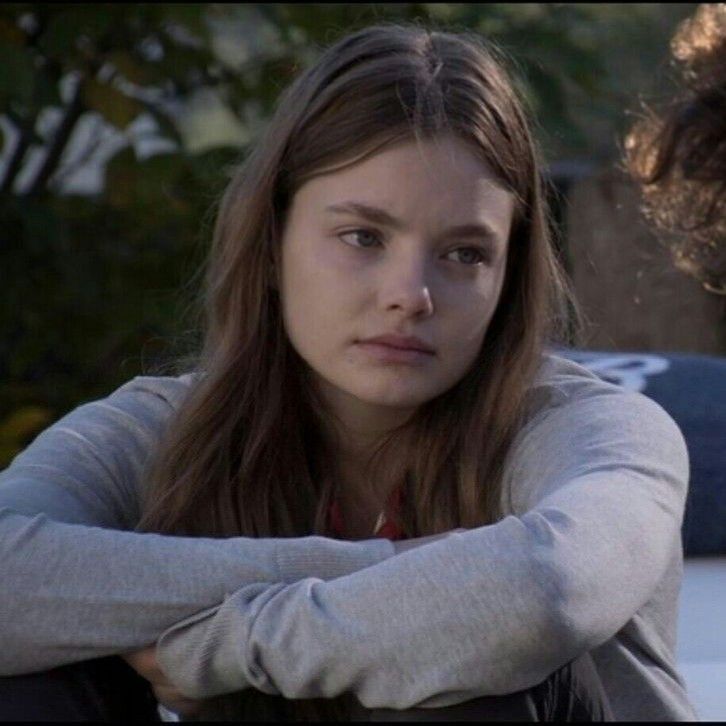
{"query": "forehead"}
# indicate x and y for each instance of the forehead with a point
(432, 180)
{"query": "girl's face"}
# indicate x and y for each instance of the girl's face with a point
(408, 243)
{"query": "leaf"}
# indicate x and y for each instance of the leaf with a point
(8, 453)
(116, 107)
(190, 15)
(47, 90)
(150, 182)
(16, 73)
(181, 63)
(10, 33)
(129, 67)
(121, 173)
(22, 423)
(64, 28)
(213, 167)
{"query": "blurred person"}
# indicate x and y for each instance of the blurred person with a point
(677, 154)
(376, 494)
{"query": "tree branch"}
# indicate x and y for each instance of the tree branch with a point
(73, 112)
(26, 125)
(16, 160)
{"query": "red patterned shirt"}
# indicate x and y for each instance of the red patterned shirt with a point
(386, 525)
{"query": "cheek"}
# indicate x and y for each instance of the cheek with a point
(312, 269)
(316, 299)
(471, 316)
(467, 328)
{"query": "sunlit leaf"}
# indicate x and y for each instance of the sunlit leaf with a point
(22, 423)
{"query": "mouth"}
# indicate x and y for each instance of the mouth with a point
(393, 354)
(396, 342)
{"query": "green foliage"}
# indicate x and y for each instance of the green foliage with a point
(19, 426)
(93, 285)
(114, 105)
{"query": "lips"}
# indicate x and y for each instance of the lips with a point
(401, 342)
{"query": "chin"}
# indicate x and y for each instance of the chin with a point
(404, 399)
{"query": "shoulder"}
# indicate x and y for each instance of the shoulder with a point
(87, 467)
(560, 380)
(142, 403)
(578, 424)
(565, 389)
(171, 390)
(123, 425)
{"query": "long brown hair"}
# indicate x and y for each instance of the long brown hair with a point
(245, 453)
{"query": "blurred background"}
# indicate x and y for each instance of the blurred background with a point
(119, 124)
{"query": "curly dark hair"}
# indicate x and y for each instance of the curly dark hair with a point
(678, 155)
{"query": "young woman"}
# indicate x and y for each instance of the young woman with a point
(375, 495)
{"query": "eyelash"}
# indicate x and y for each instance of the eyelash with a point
(483, 255)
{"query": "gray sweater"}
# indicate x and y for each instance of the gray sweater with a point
(589, 559)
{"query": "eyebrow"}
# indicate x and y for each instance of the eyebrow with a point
(376, 215)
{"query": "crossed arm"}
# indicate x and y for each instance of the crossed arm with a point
(78, 584)
(492, 610)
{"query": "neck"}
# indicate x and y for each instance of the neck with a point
(359, 429)
(357, 426)
(356, 432)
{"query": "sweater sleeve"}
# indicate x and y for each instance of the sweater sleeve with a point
(77, 584)
(601, 483)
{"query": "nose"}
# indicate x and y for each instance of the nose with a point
(406, 288)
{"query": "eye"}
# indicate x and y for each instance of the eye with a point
(364, 238)
(470, 255)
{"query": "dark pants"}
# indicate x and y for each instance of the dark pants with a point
(109, 690)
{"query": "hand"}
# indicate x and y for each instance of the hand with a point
(145, 664)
